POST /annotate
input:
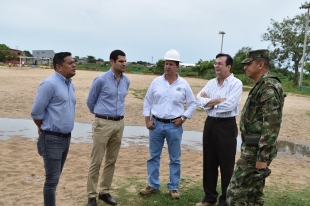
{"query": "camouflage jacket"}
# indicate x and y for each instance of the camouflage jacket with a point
(262, 114)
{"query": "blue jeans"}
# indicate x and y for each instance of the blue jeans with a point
(54, 151)
(173, 136)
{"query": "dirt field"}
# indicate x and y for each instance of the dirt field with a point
(22, 173)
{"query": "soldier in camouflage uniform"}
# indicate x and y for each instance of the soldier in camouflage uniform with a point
(259, 125)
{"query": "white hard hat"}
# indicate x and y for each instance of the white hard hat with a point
(172, 55)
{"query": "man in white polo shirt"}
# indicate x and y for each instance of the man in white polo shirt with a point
(164, 115)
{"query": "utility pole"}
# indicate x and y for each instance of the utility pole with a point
(221, 32)
(305, 6)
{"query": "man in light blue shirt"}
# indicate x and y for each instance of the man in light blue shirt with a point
(53, 112)
(106, 100)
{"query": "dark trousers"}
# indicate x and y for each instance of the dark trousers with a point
(219, 150)
(54, 151)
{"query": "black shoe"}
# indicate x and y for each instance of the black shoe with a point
(107, 199)
(92, 202)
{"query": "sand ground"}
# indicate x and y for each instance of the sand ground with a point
(22, 173)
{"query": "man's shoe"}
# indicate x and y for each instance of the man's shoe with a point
(92, 201)
(205, 204)
(148, 190)
(174, 194)
(107, 198)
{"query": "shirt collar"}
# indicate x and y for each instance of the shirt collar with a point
(231, 76)
(111, 73)
(262, 77)
(163, 76)
(62, 78)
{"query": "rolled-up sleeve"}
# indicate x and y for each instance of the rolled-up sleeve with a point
(202, 101)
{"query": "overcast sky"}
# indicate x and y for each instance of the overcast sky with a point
(144, 29)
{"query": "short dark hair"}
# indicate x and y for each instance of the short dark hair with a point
(229, 60)
(264, 60)
(114, 54)
(59, 58)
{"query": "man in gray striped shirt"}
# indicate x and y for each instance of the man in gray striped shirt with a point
(220, 98)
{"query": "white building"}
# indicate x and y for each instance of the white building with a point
(186, 65)
(43, 57)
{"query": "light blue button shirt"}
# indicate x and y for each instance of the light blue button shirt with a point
(106, 97)
(55, 104)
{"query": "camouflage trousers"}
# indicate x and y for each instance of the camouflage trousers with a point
(247, 184)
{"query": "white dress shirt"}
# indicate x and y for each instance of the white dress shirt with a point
(167, 101)
(231, 89)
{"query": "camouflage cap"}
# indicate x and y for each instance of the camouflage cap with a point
(250, 56)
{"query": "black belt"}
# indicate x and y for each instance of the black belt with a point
(164, 120)
(217, 119)
(110, 118)
(58, 134)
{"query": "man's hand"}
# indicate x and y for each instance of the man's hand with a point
(177, 122)
(149, 123)
(261, 165)
(204, 95)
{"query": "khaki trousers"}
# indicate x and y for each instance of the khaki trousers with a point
(107, 139)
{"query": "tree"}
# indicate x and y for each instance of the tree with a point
(287, 38)
(142, 63)
(202, 67)
(27, 53)
(160, 65)
(76, 58)
(307, 67)
(237, 67)
(91, 59)
(5, 53)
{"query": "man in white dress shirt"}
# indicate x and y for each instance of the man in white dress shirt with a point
(220, 98)
(164, 115)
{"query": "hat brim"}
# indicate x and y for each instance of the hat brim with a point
(247, 60)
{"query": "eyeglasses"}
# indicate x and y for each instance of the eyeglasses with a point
(219, 64)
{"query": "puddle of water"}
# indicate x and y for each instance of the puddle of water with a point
(82, 132)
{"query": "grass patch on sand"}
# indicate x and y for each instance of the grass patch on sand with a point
(138, 93)
(126, 192)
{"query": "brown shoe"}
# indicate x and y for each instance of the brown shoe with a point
(205, 204)
(148, 190)
(174, 194)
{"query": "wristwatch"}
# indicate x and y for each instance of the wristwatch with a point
(183, 119)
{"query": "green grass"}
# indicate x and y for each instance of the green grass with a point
(279, 194)
(126, 192)
(138, 93)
